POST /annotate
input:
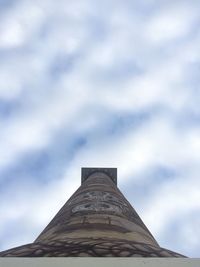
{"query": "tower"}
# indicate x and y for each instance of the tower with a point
(97, 221)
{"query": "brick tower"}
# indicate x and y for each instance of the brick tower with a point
(97, 221)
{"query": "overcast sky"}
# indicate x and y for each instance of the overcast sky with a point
(100, 83)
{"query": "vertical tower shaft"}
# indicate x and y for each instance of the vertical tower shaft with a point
(97, 221)
(97, 210)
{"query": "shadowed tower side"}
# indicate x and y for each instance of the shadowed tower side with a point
(96, 221)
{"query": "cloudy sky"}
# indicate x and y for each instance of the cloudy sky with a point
(100, 83)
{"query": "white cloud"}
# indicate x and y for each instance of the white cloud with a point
(11, 34)
(171, 23)
(19, 23)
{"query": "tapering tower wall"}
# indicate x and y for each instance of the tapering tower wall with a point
(97, 210)
(97, 221)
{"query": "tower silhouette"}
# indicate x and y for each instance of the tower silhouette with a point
(97, 221)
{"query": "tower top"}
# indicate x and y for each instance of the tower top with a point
(110, 172)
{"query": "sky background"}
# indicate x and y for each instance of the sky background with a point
(100, 83)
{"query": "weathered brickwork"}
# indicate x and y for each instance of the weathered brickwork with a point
(89, 248)
(96, 221)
